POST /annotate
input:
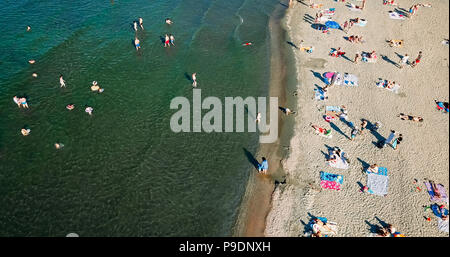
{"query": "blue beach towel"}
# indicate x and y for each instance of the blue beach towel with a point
(332, 25)
(332, 108)
(331, 177)
(381, 171)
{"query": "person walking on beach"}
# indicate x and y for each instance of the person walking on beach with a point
(404, 61)
(141, 23)
(363, 126)
(417, 60)
(172, 39)
(357, 56)
(194, 79)
(61, 81)
(397, 141)
(166, 41)
(137, 43)
(345, 27)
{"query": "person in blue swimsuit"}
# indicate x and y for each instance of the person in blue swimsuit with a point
(137, 43)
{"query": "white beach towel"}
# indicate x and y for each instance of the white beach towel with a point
(443, 225)
(396, 16)
(339, 163)
(319, 95)
(336, 79)
(353, 8)
(350, 80)
(377, 184)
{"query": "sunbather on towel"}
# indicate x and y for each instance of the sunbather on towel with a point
(395, 43)
(435, 189)
(319, 226)
(373, 168)
(409, 117)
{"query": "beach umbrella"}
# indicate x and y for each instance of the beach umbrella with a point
(332, 25)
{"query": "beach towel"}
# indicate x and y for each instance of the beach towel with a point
(332, 108)
(350, 80)
(361, 23)
(381, 171)
(332, 25)
(331, 181)
(396, 16)
(337, 79)
(378, 183)
(319, 95)
(441, 190)
(438, 211)
(353, 8)
(339, 163)
(442, 225)
(382, 83)
(329, 12)
(332, 225)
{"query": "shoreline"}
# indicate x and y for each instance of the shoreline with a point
(357, 213)
(257, 200)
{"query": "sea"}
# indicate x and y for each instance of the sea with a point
(123, 171)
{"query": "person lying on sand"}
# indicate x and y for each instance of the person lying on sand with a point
(435, 190)
(389, 2)
(319, 226)
(373, 168)
(320, 130)
(395, 42)
(409, 117)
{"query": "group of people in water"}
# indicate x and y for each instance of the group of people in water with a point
(169, 39)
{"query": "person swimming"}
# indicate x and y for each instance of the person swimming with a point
(59, 145)
(172, 39)
(61, 81)
(89, 110)
(137, 43)
(34, 75)
(247, 44)
(94, 86)
(135, 25)
(194, 79)
(70, 107)
(169, 21)
(23, 101)
(25, 131)
(141, 23)
(28, 28)
(31, 61)
(17, 101)
(166, 41)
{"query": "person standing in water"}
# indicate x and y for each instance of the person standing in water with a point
(166, 41)
(168, 21)
(137, 43)
(172, 39)
(141, 23)
(135, 25)
(61, 81)
(194, 79)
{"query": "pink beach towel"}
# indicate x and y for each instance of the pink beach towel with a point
(441, 190)
(333, 185)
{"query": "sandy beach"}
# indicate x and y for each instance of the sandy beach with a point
(423, 153)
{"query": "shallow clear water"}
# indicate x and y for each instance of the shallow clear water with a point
(123, 171)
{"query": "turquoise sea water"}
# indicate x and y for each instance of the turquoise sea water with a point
(123, 172)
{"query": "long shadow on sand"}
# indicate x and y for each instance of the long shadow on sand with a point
(251, 158)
